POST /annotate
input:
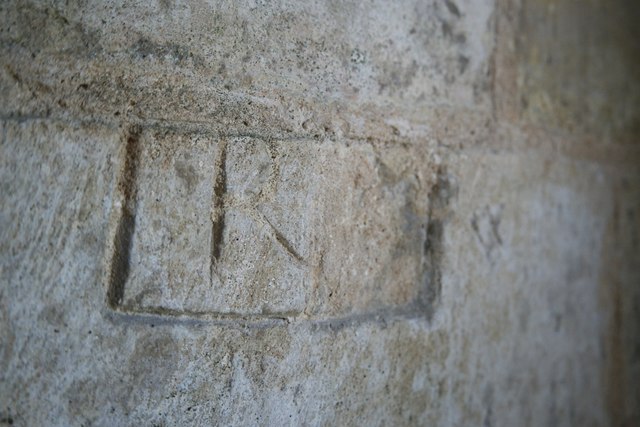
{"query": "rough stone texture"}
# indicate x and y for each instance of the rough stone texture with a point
(320, 213)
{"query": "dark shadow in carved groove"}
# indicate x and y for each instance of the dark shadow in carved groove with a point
(433, 254)
(123, 239)
(217, 221)
(433, 247)
(282, 240)
(121, 258)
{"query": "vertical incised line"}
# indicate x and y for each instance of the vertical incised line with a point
(123, 239)
(218, 213)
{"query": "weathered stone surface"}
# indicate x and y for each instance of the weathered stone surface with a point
(219, 226)
(290, 213)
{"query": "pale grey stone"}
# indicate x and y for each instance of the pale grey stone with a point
(319, 213)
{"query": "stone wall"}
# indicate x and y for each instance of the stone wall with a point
(320, 213)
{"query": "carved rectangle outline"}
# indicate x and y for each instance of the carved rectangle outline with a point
(122, 227)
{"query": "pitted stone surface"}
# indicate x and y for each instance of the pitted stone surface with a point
(421, 212)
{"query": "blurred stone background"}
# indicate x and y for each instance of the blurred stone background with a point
(320, 213)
